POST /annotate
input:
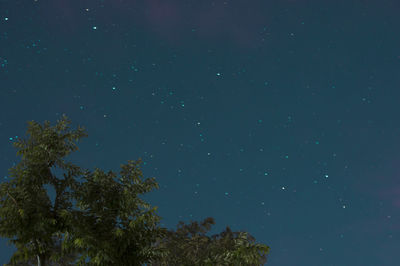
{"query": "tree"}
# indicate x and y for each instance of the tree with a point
(27, 213)
(190, 246)
(110, 224)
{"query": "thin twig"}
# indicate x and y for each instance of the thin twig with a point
(12, 198)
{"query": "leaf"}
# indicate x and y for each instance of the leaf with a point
(78, 242)
(119, 232)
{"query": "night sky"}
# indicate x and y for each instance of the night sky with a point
(279, 118)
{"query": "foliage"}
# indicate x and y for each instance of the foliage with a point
(65, 260)
(110, 225)
(26, 211)
(106, 239)
(190, 246)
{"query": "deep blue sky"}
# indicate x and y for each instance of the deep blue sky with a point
(280, 118)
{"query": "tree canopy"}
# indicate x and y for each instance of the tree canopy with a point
(189, 245)
(110, 224)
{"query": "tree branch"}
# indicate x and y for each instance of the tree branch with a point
(12, 198)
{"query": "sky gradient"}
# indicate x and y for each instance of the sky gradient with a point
(279, 118)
